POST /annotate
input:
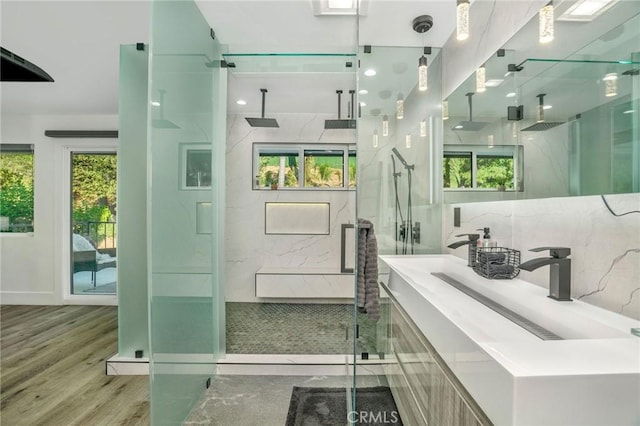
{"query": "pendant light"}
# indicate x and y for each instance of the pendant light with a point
(462, 20)
(546, 23)
(385, 125)
(400, 107)
(610, 84)
(423, 128)
(422, 73)
(407, 140)
(421, 25)
(445, 109)
(481, 79)
(375, 139)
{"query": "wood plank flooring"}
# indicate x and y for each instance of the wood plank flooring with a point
(52, 369)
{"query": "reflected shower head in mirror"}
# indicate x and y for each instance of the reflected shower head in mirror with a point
(469, 125)
(262, 122)
(342, 123)
(541, 125)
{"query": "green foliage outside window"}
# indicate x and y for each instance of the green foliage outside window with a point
(495, 172)
(94, 194)
(16, 190)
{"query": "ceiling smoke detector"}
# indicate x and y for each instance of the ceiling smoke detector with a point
(422, 23)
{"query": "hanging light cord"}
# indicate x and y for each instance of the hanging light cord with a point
(604, 200)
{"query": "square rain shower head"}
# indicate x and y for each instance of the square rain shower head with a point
(339, 124)
(541, 127)
(262, 122)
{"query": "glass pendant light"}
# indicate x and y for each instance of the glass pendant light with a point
(422, 73)
(407, 140)
(490, 141)
(375, 139)
(546, 23)
(610, 84)
(481, 79)
(423, 128)
(541, 107)
(385, 125)
(400, 107)
(445, 109)
(462, 20)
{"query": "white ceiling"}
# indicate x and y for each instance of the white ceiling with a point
(77, 43)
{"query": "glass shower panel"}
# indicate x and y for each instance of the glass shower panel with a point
(187, 97)
(399, 176)
(132, 188)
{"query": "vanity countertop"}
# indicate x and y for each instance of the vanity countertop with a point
(592, 376)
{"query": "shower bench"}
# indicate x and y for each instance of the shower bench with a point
(303, 283)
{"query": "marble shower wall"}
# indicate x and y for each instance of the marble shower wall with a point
(247, 247)
(605, 249)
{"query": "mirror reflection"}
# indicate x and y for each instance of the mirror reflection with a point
(570, 105)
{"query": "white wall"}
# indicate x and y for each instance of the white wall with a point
(247, 247)
(32, 266)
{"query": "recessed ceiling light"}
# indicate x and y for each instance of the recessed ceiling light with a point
(370, 72)
(586, 10)
(339, 7)
(363, 91)
(494, 82)
(547, 107)
(458, 127)
(241, 102)
(629, 111)
(511, 95)
(155, 103)
(363, 104)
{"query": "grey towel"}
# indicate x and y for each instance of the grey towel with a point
(368, 292)
(484, 256)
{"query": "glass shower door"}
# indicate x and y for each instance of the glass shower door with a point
(185, 187)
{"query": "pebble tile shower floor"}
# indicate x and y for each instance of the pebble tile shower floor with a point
(296, 328)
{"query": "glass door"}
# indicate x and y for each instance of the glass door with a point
(185, 201)
(93, 223)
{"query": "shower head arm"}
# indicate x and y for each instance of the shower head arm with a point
(402, 160)
(264, 91)
(469, 95)
(339, 92)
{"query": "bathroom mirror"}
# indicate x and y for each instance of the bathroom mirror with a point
(571, 105)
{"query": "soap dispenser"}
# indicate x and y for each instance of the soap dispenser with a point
(486, 239)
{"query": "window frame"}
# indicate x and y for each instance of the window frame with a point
(515, 152)
(348, 150)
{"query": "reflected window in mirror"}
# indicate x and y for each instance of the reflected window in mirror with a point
(474, 167)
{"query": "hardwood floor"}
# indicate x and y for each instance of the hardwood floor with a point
(52, 369)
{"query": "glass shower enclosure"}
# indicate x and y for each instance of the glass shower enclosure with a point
(185, 197)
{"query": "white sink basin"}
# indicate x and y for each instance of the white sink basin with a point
(592, 377)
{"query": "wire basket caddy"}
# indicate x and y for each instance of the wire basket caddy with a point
(498, 263)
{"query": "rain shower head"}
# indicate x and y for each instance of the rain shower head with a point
(541, 125)
(342, 123)
(262, 122)
(470, 125)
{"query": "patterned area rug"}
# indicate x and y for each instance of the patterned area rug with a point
(328, 407)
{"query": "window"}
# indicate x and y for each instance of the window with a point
(481, 167)
(16, 188)
(293, 166)
(196, 166)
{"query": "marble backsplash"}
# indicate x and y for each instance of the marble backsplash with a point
(605, 245)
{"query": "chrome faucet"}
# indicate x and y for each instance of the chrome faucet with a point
(473, 246)
(559, 272)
